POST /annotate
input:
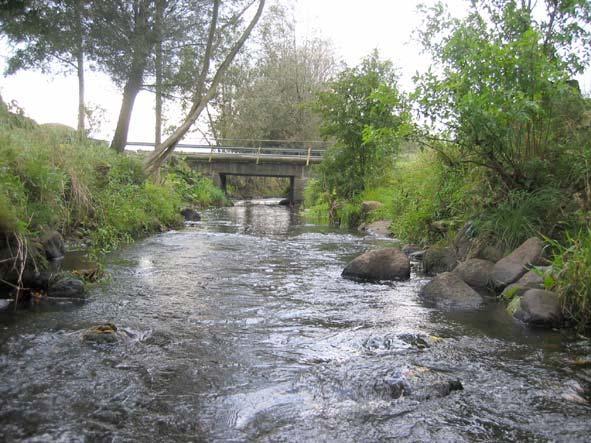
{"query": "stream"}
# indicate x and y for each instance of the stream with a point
(240, 328)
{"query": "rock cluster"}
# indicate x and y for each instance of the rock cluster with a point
(517, 277)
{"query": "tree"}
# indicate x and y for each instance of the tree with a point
(500, 90)
(204, 90)
(366, 114)
(47, 33)
(267, 94)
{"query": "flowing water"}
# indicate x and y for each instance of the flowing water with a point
(240, 328)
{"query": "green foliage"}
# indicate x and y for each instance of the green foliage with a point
(500, 95)
(364, 112)
(572, 265)
(521, 215)
(51, 181)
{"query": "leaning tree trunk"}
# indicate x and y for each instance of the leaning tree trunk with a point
(201, 97)
(130, 92)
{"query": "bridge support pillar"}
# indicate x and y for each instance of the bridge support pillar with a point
(296, 189)
(221, 181)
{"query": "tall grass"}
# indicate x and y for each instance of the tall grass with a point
(572, 265)
(51, 180)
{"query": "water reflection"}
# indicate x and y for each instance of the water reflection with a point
(240, 328)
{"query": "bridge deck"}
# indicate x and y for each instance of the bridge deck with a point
(302, 155)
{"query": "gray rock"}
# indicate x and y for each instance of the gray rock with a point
(5, 304)
(410, 249)
(190, 214)
(512, 291)
(464, 242)
(448, 290)
(531, 280)
(537, 307)
(284, 202)
(439, 259)
(67, 288)
(381, 264)
(53, 245)
(437, 390)
(490, 253)
(511, 268)
(370, 206)
(417, 256)
(380, 228)
(475, 272)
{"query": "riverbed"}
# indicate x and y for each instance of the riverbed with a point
(240, 328)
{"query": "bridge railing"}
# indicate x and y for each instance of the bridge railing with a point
(312, 151)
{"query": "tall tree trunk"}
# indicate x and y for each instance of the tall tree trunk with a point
(130, 91)
(143, 43)
(158, 107)
(81, 103)
(202, 95)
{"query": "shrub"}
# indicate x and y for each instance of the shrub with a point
(572, 266)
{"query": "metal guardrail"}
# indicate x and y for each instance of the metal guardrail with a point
(308, 152)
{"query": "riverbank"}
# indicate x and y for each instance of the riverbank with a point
(452, 211)
(55, 186)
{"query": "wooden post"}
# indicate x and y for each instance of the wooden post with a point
(258, 154)
(211, 154)
(309, 153)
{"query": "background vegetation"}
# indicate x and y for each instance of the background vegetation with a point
(504, 137)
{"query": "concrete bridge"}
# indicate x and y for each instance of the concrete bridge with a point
(287, 160)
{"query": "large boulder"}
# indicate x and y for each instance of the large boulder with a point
(475, 272)
(448, 290)
(381, 228)
(511, 268)
(537, 307)
(438, 259)
(70, 288)
(190, 215)
(53, 245)
(380, 264)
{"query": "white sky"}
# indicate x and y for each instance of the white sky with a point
(355, 28)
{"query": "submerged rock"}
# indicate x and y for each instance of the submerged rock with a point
(190, 215)
(101, 334)
(380, 228)
(537, 307)
(475, 272)
(5, 304)
(511, 268)
(53, 245)
(381, 264)
(439, 259)
(448, 290)
(437, 390)
(71, 288)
